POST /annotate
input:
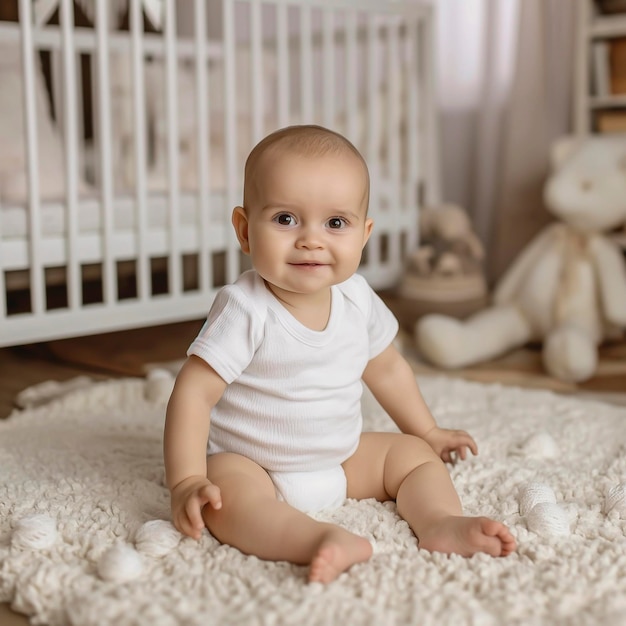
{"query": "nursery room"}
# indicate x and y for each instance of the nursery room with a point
(473, 274)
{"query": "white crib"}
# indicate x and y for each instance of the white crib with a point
(120, 164)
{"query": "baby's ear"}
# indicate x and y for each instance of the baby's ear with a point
(369, 225)
(240, 224)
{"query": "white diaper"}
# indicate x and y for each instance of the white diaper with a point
(311, 491)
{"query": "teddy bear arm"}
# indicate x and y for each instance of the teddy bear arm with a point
(610, 271)
(475, 246)
(509, 285)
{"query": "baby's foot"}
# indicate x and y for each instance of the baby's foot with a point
(468, 535)
(337, 552)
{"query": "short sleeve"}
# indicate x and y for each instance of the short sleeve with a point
(231, 334)
(382, 326)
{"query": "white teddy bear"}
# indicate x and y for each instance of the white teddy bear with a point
(567, 288)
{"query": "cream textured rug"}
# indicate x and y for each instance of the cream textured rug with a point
(81, 497)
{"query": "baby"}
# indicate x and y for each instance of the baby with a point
(276, 371)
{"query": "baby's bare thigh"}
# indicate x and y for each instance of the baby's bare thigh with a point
(381, 462)
(237, 475)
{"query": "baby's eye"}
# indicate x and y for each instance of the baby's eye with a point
(285, 219)
(335, 223)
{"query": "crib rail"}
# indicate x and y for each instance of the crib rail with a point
(109, 262)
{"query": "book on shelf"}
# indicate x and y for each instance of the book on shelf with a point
(610, 6)
(617, 65)
(612, 121)
(609, 67)
(600, 68)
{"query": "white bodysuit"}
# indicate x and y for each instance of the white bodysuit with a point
(293, 400)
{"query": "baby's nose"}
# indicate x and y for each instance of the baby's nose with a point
(309, 237)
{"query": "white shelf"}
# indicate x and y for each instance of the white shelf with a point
(592, 91)
(607, 26)
(608, 102)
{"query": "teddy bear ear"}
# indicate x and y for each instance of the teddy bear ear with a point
(563, 148)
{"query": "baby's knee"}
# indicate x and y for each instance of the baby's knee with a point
(406, 454)
(416, 448)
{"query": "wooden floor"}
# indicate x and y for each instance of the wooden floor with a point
(99, 356)
(127, 354)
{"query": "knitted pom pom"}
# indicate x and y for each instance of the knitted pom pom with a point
(157, 538)
(539, 445)
(548, 518)
(615, 500)
(36, 532)
(532, 494)
(120, 563)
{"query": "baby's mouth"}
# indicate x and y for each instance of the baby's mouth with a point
(308, 264)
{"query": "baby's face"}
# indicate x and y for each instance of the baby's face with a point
(306, 222)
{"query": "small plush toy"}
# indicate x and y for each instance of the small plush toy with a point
(448, 245)
(567, 288)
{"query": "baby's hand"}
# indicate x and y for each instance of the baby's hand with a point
(188, 499)
(444, 442)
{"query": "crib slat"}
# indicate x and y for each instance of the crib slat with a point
(328, 65)
(373, 123)
(432, 191)
(139, 117)
(74, 291)
(3, 290)
(412, 116)
(352, 74)
(230, 126)
(106, 159)
(282, 50)
(171, 81)
(393, 138)
(202, 120)
(306, 65)
(256, 66)
(36, 282)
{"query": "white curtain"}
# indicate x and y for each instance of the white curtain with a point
(504, 94)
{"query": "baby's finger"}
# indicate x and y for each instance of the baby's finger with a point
(210, 494)
(470, 443)
(193, 512)
(464, 440)
(184, 525)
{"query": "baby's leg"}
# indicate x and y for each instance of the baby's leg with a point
(254, 521)
(406, 469)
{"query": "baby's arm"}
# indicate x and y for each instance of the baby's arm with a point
(392, 381)
(198, 388)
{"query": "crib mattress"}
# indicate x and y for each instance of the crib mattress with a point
(14, 219)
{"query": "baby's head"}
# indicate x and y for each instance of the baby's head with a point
(304, 215)
(308, 142)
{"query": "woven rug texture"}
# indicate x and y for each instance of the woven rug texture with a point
(85, 537)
